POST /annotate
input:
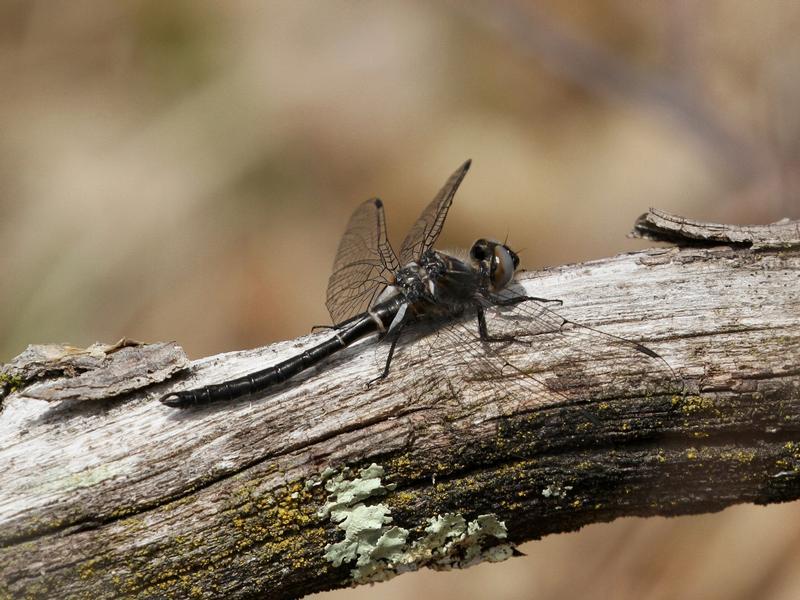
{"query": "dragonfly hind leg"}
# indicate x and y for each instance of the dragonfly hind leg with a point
(484, 331)
(395, 328)
(395, 337)
(335, 326)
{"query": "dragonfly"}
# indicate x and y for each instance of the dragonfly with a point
(444, 300)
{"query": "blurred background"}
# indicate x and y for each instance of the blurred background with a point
(183, 171)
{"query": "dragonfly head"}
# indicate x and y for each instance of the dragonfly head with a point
(497, 260)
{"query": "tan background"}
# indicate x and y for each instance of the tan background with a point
(183, 170)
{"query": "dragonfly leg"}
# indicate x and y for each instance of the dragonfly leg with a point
(484, 332)
(335, 326)
(395, 337)
(518, 299)
(395, 328)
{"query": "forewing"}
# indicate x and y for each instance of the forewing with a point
(364, 265)
(426, 230)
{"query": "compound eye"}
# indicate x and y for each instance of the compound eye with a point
(502, 267)
(478, 251)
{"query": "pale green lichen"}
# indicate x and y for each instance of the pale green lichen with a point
(380, 550)
(363, 531)
(454, 543)
(391, 545)
(363, 525)
(556, 490)
(450, 543)
(345, 493)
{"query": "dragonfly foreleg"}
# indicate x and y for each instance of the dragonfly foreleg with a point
(514, 300)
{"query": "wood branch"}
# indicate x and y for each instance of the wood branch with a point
(323, 483)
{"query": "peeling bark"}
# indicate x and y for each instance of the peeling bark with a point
(122, 496)
(56, 372)
(659, 225)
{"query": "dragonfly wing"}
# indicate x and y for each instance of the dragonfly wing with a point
(585, 363)
(426, 230)
(365, 263)
(550, 361)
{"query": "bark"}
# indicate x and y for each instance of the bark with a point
(112, 494)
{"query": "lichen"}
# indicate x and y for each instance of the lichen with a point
(379, 550)
(454, 543)
(363, 525)
(450, 543)
(13, 382)
(348, 492)
(363, 530)
(556, 490)
(694, 405)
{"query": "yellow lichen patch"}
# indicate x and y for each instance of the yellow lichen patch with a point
(404, 468)
(289, 511)
(86, 570)
(400, 499)
(266, 526)
(691, 453)
(260, 516)
(292, 550)
(13, 382)
(693, 405)
(792, 448)
(517, 470)
(740, 456)
(791, 462)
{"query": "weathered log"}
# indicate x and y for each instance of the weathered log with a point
(323, 483)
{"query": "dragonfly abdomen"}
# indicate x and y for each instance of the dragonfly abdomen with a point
(266, 378)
